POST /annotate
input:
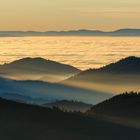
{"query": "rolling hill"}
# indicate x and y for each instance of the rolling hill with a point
(129, 65)
(37, 69)
(38, 90)
(121, 76)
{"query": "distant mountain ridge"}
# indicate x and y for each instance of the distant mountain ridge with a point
(38, 69)
(82, 32)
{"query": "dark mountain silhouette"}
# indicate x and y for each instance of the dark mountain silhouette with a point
(129, 65)
(124, 107)
(38, 69)
(115, 77)
(38, 90)
(83, 32)
(21, 121)
(70, 105)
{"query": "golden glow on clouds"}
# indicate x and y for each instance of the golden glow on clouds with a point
(65, 15)
(81, 52)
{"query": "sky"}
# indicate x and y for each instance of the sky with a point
(46, 15)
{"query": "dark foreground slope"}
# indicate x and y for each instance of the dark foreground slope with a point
(124, 108)
(26, 122)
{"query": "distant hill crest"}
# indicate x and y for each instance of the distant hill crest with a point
(126, 65)
(38, 69)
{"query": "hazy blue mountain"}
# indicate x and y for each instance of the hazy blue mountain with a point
(121, 76)
(50, 92)
(120, 32)
(23, 98)
(129, 32)
(16, 97)
(26, 122)
(37, 69)
(70, 105)
(83, 32)
(124, 107)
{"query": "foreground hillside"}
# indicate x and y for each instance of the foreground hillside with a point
(26, 122)
(124, 108)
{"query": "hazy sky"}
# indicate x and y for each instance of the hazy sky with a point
(45, 15)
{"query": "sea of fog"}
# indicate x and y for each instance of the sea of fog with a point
(81, 52)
